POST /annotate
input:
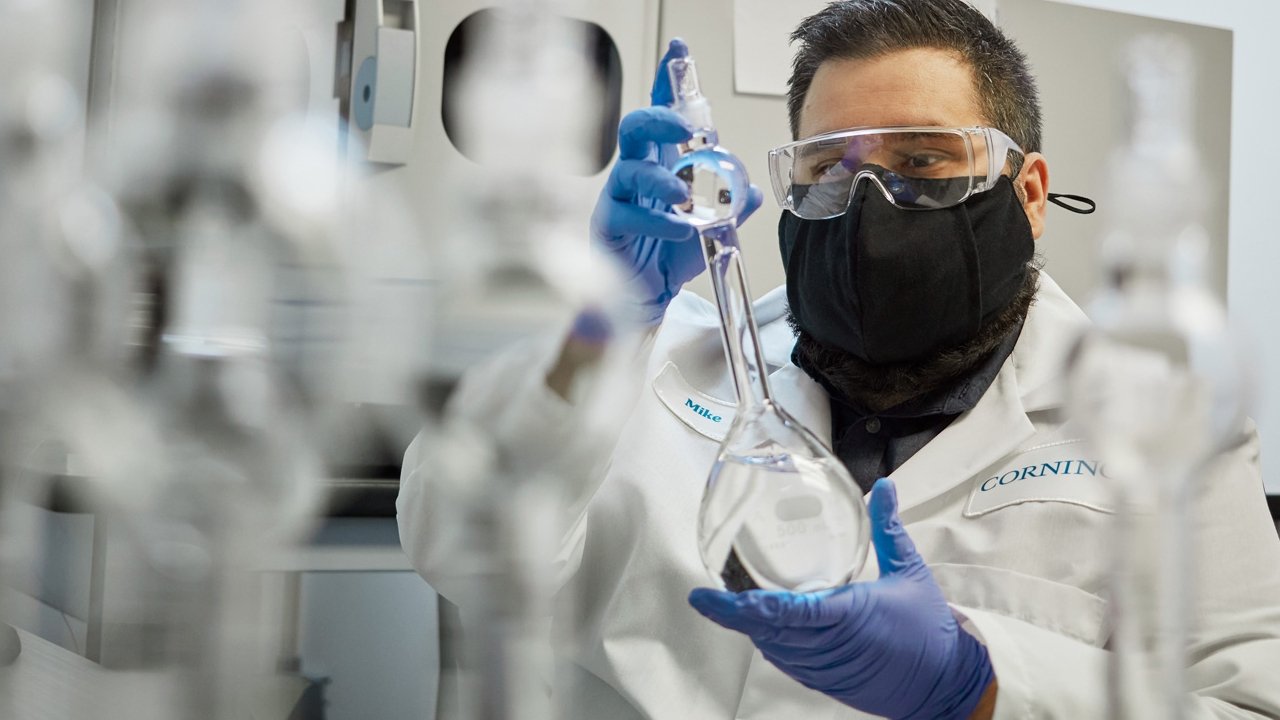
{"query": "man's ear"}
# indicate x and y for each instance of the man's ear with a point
(1033, 185)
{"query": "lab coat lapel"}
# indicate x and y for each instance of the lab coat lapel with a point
(1029, 380)
(803, 399)
(700, 355)
(996, 426)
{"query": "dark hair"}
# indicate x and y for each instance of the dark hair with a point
(855, 29)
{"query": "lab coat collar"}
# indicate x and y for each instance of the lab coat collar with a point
(803, 399)
(1039, 359)
(1032, 379)
(771, 306)
(700, 311)
(995, 427)
(770, 311)
(776, 336)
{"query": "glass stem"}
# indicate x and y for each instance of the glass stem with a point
(737, 320)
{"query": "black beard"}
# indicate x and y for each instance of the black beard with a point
(880, 387)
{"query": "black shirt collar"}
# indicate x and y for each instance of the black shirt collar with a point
(954, 398)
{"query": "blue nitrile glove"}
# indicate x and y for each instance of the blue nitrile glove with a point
(632, 221)
(890, 647)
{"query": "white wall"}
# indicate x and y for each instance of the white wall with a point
(1085, 99)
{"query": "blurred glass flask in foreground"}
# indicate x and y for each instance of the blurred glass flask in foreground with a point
(513, 264)
(1155, 383)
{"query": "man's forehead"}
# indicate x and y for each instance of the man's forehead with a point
(920, 86)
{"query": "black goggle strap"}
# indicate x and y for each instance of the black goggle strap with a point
(1065, 202)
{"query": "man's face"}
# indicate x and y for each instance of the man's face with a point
(920, 86)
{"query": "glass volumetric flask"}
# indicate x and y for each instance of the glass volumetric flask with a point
(780, 511)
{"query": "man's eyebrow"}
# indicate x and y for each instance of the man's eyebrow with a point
(927, 122)
(930, 134)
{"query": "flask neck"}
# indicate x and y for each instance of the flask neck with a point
(737, 319)
(687, 97)
(705, 137)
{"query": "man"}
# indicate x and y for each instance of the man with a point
(927, 348)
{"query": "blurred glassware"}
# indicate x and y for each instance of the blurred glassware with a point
(1157, 384)
(257, 259)
(514, 263)
(64, 297)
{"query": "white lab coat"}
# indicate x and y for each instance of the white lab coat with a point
(1021, 554)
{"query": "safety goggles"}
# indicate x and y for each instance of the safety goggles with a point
(916, 168)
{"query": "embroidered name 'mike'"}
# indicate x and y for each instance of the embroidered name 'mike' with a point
(699, 410)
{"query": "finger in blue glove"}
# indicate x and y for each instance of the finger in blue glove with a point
(633, 219)
(661, 93)
(890, 647)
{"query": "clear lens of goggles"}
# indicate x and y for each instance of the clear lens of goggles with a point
(917, 168)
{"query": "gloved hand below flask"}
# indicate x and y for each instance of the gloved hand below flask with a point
(658, 251)
(890, 647)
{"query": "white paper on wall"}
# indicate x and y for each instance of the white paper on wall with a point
(761, 53)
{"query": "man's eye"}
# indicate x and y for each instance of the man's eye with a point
(831, 169)
(922, 161)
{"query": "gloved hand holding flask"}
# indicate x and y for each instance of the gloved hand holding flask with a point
(890, 647)
(632, 221)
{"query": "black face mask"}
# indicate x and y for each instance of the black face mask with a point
(891, 285)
